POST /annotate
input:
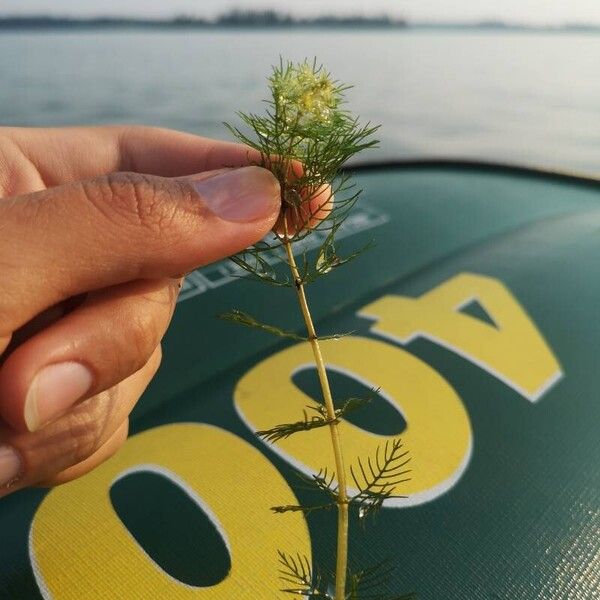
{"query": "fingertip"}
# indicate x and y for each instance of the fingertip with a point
(321, 205)
(308, 215)
(54, 389)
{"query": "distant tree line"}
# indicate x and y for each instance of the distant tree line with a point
(234, 18)
(270, 18)
(238, 18)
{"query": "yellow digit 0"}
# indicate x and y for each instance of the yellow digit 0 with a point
(438, 433)
(80, 549)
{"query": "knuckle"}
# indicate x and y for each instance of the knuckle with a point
(173, 290)
(147, 323)
(82, 434)
(71, 439)
(160, 301)
(134, 199)
(101, 455)
(156, 360)
(144, 335)
(128, 137)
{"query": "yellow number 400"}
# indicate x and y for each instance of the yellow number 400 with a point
(206, 461)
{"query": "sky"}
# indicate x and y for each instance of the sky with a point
(526, 11)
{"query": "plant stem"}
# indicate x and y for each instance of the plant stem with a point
(342, 493)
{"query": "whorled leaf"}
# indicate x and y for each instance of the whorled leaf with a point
(369, 583)
(309, 422)
(296, 571)
(377, 477)
(242, 318)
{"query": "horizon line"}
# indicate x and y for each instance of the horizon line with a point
(273, 18)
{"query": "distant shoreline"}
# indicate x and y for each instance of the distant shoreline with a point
(233, 19)
(267, 20)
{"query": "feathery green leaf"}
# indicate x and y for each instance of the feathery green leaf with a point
(377, 478)
(305, 123)
(242, 318)
(297, 572)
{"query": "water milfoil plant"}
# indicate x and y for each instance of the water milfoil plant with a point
(304, 139)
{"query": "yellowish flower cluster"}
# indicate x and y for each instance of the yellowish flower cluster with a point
(305, 95)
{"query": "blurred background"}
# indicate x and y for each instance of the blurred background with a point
(514, 81)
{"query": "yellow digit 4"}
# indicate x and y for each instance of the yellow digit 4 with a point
(514, 350)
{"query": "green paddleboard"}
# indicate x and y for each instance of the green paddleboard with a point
(475, 314)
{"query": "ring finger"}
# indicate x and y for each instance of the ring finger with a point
(73, 438)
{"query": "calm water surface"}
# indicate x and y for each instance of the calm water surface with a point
(529, 98)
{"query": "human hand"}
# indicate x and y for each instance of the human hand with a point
(97, 226)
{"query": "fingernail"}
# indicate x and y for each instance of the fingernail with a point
(240, 195)
(53, 390)
(10, 466)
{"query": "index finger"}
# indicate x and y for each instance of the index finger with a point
(67, 154)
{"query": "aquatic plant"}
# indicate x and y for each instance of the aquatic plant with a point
(304, 139)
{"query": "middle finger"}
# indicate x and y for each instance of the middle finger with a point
(91, 349)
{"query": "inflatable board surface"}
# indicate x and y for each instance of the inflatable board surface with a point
(475, 313)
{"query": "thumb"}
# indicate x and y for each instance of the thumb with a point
(92, 234)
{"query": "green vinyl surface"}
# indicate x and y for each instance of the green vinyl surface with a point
(520, 516)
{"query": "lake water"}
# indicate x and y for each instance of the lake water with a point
(526, 98)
